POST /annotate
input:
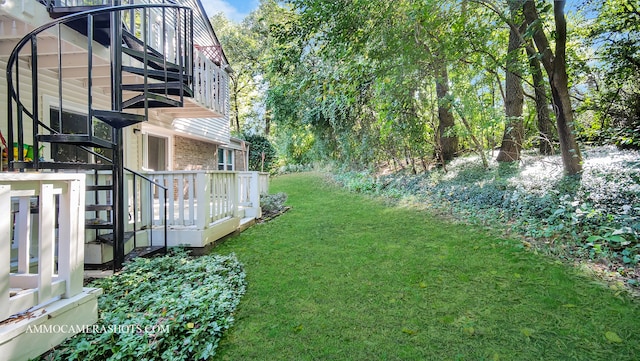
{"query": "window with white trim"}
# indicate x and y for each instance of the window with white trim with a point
(225, 159)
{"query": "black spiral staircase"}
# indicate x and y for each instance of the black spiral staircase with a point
(162, 77)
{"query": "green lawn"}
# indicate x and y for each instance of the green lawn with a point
(345, 277)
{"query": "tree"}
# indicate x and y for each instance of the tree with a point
(544, 125)
(514, 94)
(613, 72)
(555, 64)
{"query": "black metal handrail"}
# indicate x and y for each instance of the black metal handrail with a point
(182, 52)
(13, 90)
(165, 190)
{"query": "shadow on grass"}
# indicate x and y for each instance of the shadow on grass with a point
(343, 276)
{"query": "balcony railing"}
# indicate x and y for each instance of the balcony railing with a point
(210, 80)
(41, 239)
(210, 84)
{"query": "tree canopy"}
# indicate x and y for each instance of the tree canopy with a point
(416, 83)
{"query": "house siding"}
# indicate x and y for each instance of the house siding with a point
(192, 154)
(74, 98)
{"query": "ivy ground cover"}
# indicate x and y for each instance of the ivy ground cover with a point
(173, 307)
(343, 276)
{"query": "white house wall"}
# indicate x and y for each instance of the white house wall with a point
(212, 129)
(74, 97)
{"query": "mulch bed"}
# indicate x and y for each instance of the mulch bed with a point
(267, 216)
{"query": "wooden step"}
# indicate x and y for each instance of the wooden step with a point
(101, 22)
(108, 238)
(132, 42)
(145, 252)
(75, 166)
(98, 223)
(99, 187)
(98, 207)
(157, 74)
(60, 11)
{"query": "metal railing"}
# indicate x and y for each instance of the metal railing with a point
(142, 20)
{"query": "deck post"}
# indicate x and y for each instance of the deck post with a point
(254, 194)
(46, 241)
(203, 194)
(71, 239)
(5, 250)
(22, 233)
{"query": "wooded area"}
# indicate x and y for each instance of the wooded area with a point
(362, 82)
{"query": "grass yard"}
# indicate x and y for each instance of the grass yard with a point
(342, 276)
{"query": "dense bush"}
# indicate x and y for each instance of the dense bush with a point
(294, 168)
(167, 308)
(273, 203)
(260, 145)
(595, 215)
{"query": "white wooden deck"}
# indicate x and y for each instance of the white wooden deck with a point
(45, 288)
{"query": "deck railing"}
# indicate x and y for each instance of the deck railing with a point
(41, 239)
(199, 198)
(263, 183)
(138, 191)
(210, 84)
(251, 185)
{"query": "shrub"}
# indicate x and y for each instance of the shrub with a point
(260, 145)
(175, 307)
(273, 203)
(294, 168)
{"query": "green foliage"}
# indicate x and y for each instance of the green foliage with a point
(294, 168)
(611, 68)
(359, 77)
(168, 308)
(355, 81)
(361, 182)
(592, 216)
(273, 203)
(262, 154)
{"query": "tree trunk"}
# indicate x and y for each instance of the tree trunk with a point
(267, 122)
(236, 106)
(571, 157)
(447, 139)
(556, 68)
(545, 128)
(514, 99)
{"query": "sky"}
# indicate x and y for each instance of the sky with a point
(234, 10)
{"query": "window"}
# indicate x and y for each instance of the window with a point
(156, 152)
(76, 123)
(225, 159)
